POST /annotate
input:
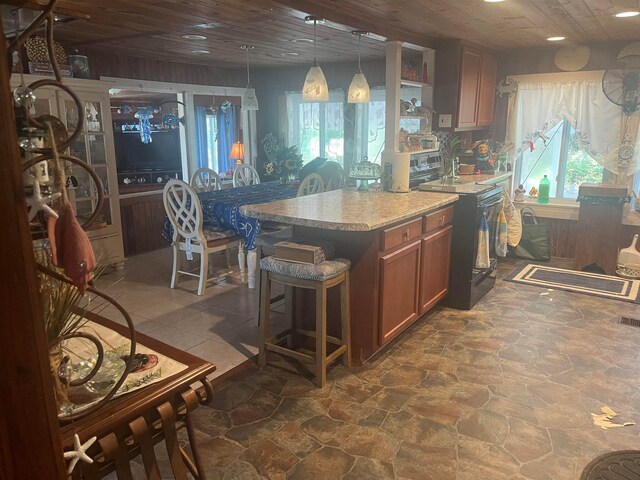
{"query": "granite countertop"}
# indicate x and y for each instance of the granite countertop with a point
(349, 209)
(482, 179)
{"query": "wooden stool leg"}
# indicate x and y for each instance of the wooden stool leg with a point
(265, 309)
(345, 319)
(321, 335)
(289, 317)
(258, 292)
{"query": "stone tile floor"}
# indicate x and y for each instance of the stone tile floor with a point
(504, 391)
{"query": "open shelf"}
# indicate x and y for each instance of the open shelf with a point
(428, 150)
(412, 83)
(414, 117)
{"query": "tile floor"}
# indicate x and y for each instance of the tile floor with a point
(219, 326)
(504, 391)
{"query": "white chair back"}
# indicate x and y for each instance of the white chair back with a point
(311, 184)
(184, 210)
(205, 180)
(245, 175)
(336, 182)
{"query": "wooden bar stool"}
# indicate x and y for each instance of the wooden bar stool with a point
(320, 278)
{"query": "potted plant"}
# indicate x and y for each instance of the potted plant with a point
(451, 150)
(284, 162)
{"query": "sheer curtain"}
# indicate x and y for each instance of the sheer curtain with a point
(227, 118)
(543, 100)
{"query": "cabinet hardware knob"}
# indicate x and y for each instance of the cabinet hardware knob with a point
(407, 233)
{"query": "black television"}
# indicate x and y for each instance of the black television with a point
(163, 153)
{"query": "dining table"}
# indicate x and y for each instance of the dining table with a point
(221, 209)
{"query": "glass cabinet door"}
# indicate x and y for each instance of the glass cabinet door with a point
(90, 147)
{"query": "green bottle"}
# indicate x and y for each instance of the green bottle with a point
(543, 191)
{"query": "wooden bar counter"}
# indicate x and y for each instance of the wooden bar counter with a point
(399, 245)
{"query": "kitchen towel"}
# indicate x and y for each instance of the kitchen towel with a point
(482, 258)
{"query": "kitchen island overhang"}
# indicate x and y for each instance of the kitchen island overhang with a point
(399, 246)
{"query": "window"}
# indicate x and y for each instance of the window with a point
(563, 126)
(369, 133)
(559, 155)
(212, 143)
(317, 128)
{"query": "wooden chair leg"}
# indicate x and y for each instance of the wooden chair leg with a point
(265, 309)
(345, 319)
(242, 261)
(321, 336)
(204, 272)
(176, 265)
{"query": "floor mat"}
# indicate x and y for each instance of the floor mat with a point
(622, 465)
(580, 282)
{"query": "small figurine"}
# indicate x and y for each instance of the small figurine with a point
(519, 194)
(484, 159)
(533, 193)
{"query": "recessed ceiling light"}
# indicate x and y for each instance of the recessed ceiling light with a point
(493, 1)
(289, 54)
(207, 25)
(628, 13)
(194, 37)
(200, 52)
(555, 39)
(302, 40)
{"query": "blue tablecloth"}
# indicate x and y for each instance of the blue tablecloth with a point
(221, 208)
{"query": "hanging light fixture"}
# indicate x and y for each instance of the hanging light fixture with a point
(359, 91)
(249, 100)
(315, 87)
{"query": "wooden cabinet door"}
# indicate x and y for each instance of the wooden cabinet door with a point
(434, 268)
(487, 95)
(399, 282)
(471, 64)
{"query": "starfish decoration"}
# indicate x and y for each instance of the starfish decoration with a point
(78, 453)
(39, 203)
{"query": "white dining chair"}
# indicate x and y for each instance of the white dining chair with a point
(311, 184)
(245, 175)
(336, 182)
(205, 180)
(184, 210)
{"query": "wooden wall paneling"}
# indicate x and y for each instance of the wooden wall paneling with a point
(142, 221)
(30, 446)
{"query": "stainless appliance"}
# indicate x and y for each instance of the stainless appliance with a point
(424, 167)
(468, 284)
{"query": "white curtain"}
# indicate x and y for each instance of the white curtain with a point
(541, 101)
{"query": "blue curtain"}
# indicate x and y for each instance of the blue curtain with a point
(227, 122)
(201, 137)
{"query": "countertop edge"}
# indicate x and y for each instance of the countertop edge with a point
(348, 227)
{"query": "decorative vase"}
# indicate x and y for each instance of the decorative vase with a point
(60, 388)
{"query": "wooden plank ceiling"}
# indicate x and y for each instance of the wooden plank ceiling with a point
(154, 28)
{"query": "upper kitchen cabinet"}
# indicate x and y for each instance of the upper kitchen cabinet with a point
(464, 86)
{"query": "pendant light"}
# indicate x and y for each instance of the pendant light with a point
(315, 87)
(249, 100)
(359, 91)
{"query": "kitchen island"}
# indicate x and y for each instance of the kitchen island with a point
(399, 246)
